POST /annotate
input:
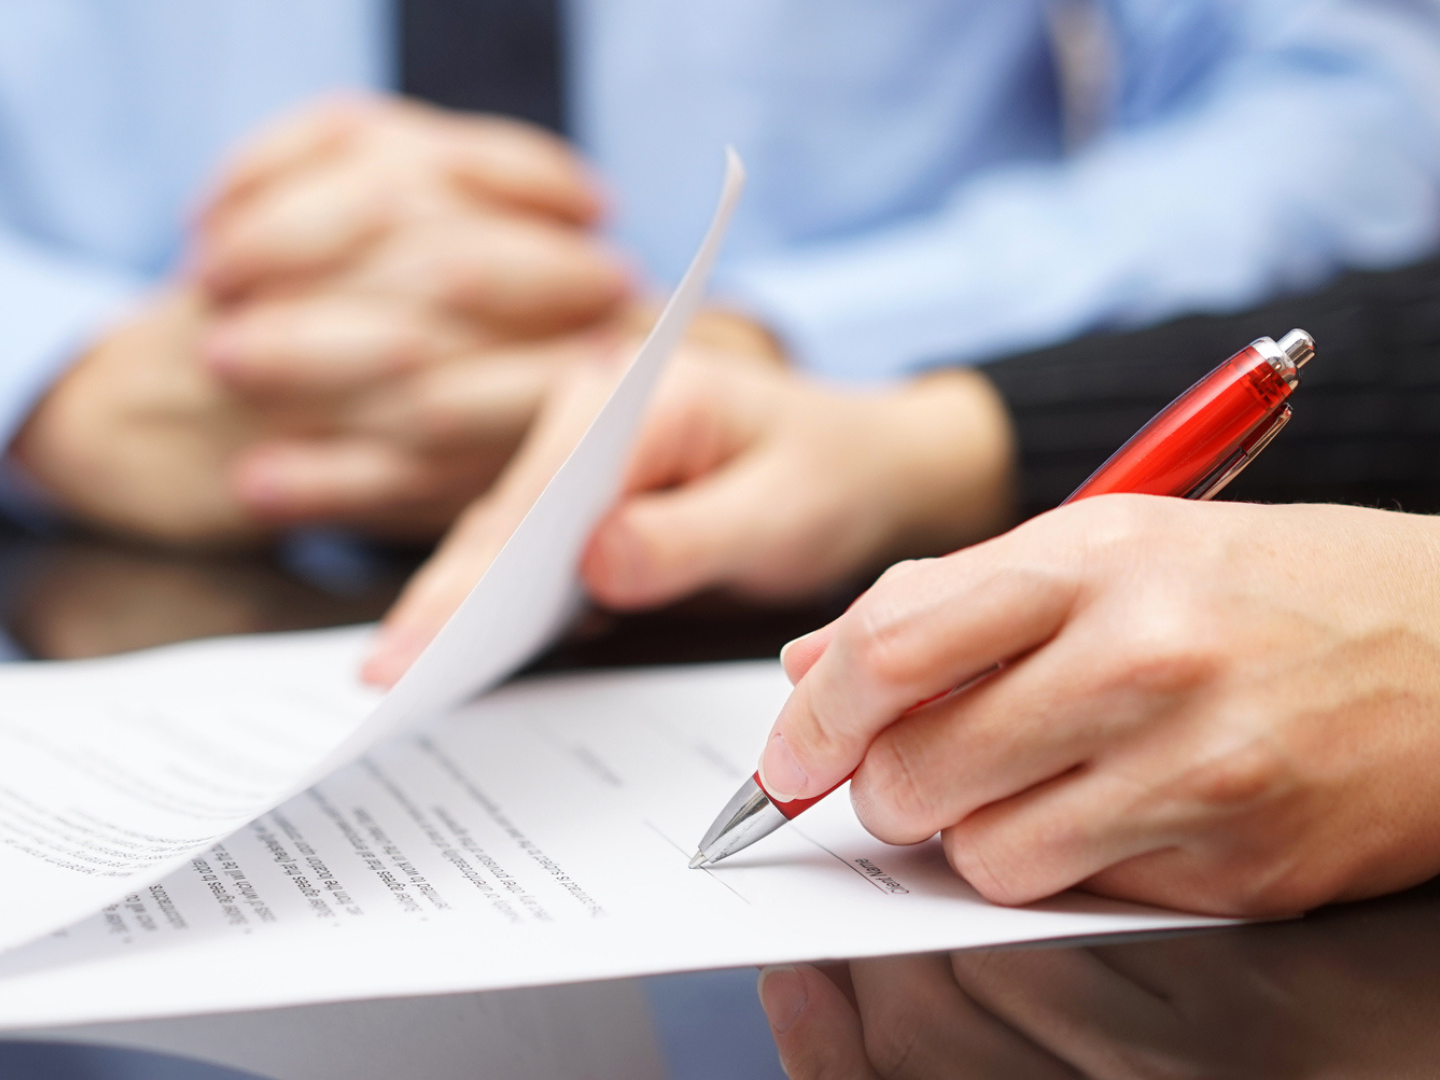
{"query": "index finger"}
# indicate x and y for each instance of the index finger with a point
(519, 165)
(924, 628)
(314, 222)
(293, 143)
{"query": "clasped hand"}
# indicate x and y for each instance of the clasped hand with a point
(378, 298)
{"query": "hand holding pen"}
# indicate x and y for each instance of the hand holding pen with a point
(1178, 717)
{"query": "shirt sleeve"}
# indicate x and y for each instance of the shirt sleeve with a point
(1307, 142)
(1366, 428)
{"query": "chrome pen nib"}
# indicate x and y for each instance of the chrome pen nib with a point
(747, 817)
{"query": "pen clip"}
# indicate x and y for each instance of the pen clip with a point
(1235, 464)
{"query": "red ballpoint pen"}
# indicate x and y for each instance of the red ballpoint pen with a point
(1193, 448)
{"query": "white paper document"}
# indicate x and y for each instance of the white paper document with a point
(121, 769)
(255, 829)
(539, 835)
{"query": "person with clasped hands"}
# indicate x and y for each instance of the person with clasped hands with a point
(375, 297)
(352, 318)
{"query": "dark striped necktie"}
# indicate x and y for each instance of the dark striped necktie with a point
(497, 56)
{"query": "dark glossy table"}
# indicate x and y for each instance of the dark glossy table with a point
(1346, 992)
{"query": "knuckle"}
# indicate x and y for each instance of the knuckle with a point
(1170, 647)
(436, 423)
(1119, 531)
(441, 418)
(1165, 668)
(606, 284)
(883, 645)
(973, 854)
(1121, 521)
(893, 1038)
(1237, 776)
(268, 324)
(407, 348)
(890, 798)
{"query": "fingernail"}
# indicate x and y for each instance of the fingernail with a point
(783, 997)
(780, 774)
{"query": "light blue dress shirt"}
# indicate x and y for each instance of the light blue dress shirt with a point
(912, 198)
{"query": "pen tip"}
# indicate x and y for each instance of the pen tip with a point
(698, 861)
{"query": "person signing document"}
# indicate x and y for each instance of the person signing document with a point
(1217, 707)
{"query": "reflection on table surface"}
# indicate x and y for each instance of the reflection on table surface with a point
(75, 597)
(1347, 992)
